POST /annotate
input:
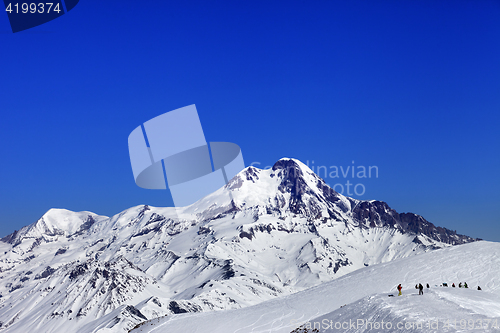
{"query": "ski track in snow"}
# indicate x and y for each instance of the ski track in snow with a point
(437, 307)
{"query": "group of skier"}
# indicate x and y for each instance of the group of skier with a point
(420, 287)
(460, 285)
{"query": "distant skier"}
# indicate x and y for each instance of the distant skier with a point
(399, 289)
(479, 288)
(453, 285)
(465, 285)
(460, 285)
(428, 286)
(420, 289)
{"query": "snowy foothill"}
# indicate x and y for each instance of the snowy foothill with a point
(363, 297)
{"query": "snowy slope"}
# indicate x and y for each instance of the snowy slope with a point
(440, 310)
(364, 295)
(266, 234)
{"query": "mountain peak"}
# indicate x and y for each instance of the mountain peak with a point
(287, 162)
(63, 221)
(55, 222)
(289, 186)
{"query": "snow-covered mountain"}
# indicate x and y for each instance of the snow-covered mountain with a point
(267, 233)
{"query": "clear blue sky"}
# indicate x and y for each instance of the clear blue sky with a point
(412, 87)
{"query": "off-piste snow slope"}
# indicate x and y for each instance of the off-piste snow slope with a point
(266, 234)
(360, 302)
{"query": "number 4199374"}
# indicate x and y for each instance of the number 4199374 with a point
(33, 8)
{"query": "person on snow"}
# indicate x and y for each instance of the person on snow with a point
(428, 286)
(420, 289)
(453, 285)
(460, 285)
(399, 289)
(465, 285)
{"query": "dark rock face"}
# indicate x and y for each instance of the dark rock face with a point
(47, 272)
(89, 222)
(10, 238)
(339, 263)
(366, 213)
(79, 270)
(293, 182)
(245, 234)
(379, 214)
(61, 251)
(183, 307)
(228, 271)
(251, 174)
(133, 310)
(175, 308)
(292, 178)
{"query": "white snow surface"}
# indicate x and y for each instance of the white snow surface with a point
(362, 298)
